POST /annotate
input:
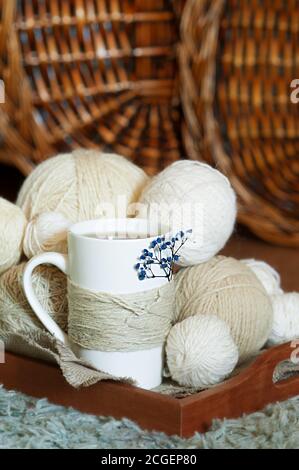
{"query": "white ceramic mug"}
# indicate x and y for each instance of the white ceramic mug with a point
(104, 265)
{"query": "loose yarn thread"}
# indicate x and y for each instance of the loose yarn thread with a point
(130, 322)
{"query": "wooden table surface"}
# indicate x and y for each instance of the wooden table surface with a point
(284, 260)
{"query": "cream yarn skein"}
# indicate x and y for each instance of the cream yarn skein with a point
(200, 351)
(266, 274)
(75, 185)
(12, 227)
(193, 195)
(16, 315)
(228, 288)
(50, 286)
(286, 318)
(285, 305)
(47, 232)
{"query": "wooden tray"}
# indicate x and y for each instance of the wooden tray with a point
(250, 391)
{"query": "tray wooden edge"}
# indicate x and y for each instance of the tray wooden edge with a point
(38, 379)
(249, 391)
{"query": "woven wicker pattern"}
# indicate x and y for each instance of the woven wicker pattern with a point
(91, 73)
(238, 58)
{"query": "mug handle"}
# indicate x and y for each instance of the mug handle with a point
(61, 262)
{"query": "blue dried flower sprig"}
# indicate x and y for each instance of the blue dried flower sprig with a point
(162, 252)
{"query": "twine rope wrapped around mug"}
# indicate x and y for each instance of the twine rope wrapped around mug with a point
(128, 322)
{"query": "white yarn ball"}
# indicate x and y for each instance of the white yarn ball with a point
(205, 197)
(201, 351)
(12, 228)
(286, 318)
(47, 232)
(266, 275)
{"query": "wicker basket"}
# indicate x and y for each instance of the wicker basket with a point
(91, 73)
(238, 59)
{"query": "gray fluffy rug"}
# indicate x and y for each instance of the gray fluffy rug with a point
(36, 424)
